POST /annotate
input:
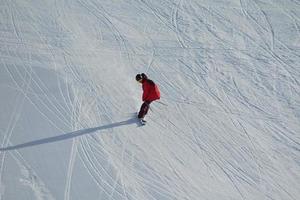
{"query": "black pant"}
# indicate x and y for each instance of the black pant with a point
(144, 109)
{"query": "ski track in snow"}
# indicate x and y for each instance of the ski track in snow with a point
(228, 126)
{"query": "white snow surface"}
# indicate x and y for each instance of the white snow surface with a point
(227, 126)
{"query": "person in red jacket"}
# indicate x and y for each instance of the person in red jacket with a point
(150, 93)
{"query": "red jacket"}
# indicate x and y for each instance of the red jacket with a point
(150, 91)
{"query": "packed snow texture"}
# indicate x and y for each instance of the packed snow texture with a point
(226, 128)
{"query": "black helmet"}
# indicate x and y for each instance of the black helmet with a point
(138, 77)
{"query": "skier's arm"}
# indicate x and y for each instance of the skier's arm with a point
(145, 92)
(145, 95)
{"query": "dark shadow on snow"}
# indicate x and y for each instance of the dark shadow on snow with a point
(70, 135)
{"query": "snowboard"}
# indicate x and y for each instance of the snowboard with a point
(143, 122)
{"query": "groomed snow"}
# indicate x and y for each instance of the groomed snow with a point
(226, 128)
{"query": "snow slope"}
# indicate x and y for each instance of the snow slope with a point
(227, 126)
